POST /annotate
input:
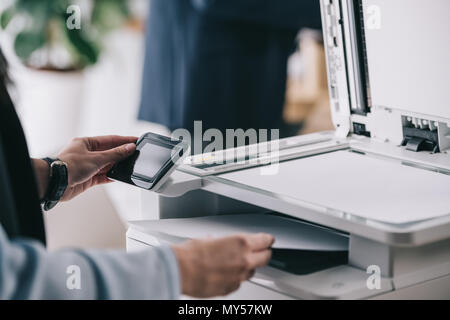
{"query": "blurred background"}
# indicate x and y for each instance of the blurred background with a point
(136, 66)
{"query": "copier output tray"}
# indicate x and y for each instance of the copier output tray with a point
(308, 261)
(303, 262)
(300, 248)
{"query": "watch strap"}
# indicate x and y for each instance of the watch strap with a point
(57, 183)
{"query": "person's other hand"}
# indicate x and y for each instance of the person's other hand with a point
(89, 159)
(217, 267)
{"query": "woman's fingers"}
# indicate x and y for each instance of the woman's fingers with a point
(259, 259)
(108, 142)
(115, 155)
(260, 241)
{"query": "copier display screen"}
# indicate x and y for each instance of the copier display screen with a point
(151, 159)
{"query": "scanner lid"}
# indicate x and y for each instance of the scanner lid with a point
(388, 70)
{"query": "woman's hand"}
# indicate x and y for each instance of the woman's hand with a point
(217, 267)
(89, 159)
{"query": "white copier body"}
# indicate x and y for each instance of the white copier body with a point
(382, 178)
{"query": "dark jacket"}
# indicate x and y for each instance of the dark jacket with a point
(20, 211)
(220, 61)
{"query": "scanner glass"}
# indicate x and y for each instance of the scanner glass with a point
(359, 185)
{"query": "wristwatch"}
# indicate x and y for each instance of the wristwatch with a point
(57, 183)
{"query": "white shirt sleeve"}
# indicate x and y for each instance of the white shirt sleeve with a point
(28, 271)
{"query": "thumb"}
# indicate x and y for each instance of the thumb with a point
(117, 154)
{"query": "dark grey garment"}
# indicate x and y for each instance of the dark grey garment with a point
(20, 213)
(223, 62)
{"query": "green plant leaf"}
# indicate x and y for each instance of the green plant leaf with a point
(41, 30)
(88, 51)
(6, 17)
(27, 42)
(108, 15)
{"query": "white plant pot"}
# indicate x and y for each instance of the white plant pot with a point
(49, 105)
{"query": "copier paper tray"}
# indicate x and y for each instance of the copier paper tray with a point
(299, 248)
(303, 262)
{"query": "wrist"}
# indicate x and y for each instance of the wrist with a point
(42, 173)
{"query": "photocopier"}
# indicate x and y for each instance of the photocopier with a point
(377, 188)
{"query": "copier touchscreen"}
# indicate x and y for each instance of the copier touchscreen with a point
(407, 62)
